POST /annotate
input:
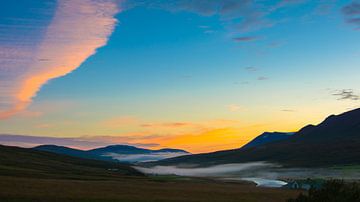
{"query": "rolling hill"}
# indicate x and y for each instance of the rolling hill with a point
(126, 149)
(335, 141)
(28, 175)
(116, 153)
(15, 161)
(67, 151)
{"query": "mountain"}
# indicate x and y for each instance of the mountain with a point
(21, 162)
(122, 153)
(126, 149)
(119, 149)
(63, 150)
(71, 152)
(335, 141)
(172, 150)
(125, 153)
(266, 138)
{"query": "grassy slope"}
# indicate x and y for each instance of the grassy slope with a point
(28, 175)
(22, 162)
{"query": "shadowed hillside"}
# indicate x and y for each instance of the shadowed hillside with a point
(28, 175)
(267, 138)
(22, 162)
(336, 141)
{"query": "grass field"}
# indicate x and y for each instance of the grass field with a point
(27, 175)
(16, 189)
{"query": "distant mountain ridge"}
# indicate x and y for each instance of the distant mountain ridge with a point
(24, 162)
(267, 137)
(122, 153)
(68, 151)
(127, 149)
(335, 141)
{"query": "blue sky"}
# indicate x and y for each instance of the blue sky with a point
(244, 66)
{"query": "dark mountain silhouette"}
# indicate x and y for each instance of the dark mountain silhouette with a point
(24, 162)
(266, 138)
(71, 152)
(171, 150)
(126, 149)
(63, 150)
(335, 141)
(121, 149)
(114, 153)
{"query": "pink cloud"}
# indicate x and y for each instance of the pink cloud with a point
(78, 28)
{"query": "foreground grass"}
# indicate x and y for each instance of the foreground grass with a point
(35, 176)
(16, 189)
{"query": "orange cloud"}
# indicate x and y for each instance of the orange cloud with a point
(78, 28)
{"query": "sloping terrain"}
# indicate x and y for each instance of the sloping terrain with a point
(267, 138)
(336, 141)
(68, 151)
(22, 162)
(28, 175)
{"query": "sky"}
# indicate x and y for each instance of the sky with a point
(200, 75)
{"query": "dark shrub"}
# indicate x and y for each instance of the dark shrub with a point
(332, 191)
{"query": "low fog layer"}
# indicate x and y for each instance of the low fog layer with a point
(144, 157)
(261, 170)
(213, 171)
(265, 182)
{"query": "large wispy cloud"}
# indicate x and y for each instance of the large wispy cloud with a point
(77, 29)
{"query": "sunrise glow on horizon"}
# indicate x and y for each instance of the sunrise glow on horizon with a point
(195, 75)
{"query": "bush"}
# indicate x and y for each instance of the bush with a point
(332, 191)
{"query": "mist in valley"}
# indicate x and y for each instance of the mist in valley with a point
(262, 173)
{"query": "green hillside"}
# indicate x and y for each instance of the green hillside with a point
(28, 175)
(23, 162)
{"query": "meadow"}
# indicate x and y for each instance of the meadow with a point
(18, 189)
(28, 175)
